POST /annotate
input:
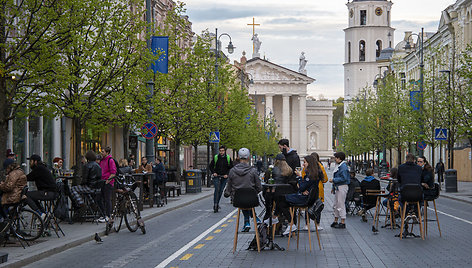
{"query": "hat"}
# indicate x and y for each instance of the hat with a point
(280, 157)
(7, 162)
(10, 152)
(243, 153)
(34, 157)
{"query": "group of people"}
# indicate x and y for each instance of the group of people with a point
(301, 182)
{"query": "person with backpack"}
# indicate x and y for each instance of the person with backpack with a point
(219, 167)
(109, 171)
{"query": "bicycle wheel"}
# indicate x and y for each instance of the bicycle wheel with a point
(132, 213)
(27, 225)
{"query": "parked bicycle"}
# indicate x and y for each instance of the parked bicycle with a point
(125, 208)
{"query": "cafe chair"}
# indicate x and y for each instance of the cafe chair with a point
(51, 220)
(411, 194)
(246, 199)
(311, 200)
(355, 204)
(431, 197)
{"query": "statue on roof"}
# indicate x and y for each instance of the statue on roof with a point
(302, 64)
(257, 45)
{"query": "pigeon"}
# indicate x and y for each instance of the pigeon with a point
(98, 239)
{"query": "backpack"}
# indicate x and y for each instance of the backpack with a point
(314, 212)
(227, 157)
(263, 238)
(61, 209)
(118, 172)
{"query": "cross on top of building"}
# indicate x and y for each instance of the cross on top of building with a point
(253, 24)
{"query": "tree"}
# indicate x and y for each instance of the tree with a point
(338, 117)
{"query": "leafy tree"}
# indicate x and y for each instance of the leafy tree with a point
(338, 117)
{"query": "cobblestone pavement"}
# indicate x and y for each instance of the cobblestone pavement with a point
(194, 236)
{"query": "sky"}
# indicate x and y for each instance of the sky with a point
(312, 26)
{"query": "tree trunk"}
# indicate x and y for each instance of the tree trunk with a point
(3, 136)
(125, 140)
(78, 147)
(399, 159)
(177, 160)
(195, 156)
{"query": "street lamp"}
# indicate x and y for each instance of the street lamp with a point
(449, 141)
(407, 47)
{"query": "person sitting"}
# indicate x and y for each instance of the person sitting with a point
(124, 167)
(13, 184)
(427, 176)
(281, 172)
(145, 166)
(45, 183)
(305, 185)
(91, 179)
(241, 176)
(57, 165)
(369, 183)
(351, 192)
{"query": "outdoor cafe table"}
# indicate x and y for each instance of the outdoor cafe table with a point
(269, 207)
(140, 177)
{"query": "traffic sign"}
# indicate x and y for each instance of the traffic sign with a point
(421, 145)
(149, 130)
(215, 137)
(440, 134)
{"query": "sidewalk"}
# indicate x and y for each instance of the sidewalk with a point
(77, 233)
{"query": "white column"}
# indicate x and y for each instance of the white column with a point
(302, 125)
(330, 131)
(26, 145)
(269, 107)
(295, 123)
(41, 141)
(10, 135)
(286, 116)
(56, 138)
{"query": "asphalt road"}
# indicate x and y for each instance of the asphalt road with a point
(194, 236)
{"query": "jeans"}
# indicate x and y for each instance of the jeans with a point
(107, 192)
(247, 214)
(220, 184)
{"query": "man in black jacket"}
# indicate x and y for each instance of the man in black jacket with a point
(292, 158)
(409, 172)
(45, 183)
(219, 167)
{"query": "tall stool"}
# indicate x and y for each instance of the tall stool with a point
(411, 194)
(246, 199)
(311, 200)
(432, 198)
(51, 220)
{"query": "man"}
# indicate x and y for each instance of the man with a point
(108, 175)
(440, 171)
(219, 167)
(369, 183)
(243, 176)
(45, 184)
(409, 172)
(292, 158)
(145, 166)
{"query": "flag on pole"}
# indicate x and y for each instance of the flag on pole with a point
(160, 46)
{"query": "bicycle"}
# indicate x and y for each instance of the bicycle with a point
(125, 208)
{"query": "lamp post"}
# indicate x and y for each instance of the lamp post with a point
(383, 169)
(450, 163)
(408, 46)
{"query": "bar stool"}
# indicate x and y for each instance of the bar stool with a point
(246, 199)
(51, 220)
(311, 200)
(433, 197)
(411, 194)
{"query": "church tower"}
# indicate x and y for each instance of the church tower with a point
(368, 33)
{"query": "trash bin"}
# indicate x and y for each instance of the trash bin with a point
(451, 181)
(193, 181)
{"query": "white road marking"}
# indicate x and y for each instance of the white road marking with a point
(193, 242)
(452, 216)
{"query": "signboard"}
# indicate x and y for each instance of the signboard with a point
(149, 130)
(440, 134)
(415, 100)
(133, 142)
(421, 145)
(215, 137)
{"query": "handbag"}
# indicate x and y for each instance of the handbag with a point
(314, 212)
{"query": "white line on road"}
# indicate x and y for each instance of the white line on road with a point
(193, 242)
(454, 217)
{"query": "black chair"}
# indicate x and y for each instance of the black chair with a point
(431, 195)
(51, 221)
(411, 194)
(246, 199)
(312, 196)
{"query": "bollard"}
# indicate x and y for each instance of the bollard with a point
(451, 181)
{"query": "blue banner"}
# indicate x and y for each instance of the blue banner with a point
(160, 46)
(415, 100)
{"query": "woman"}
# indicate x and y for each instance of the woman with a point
(13, 184)
(57, 164)
(91, 181)
(340, 181)
(305, 185)
(124, 167)
(427, 177)
(281, 172)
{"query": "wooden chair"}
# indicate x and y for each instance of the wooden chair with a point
(246, 199)
(425, 208)
(411, 194)
(311, 200)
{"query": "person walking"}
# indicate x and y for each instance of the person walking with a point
(241, 176)
(292, 158)
(108, 175)
(340, 181)
(439, 169)
(220, 166)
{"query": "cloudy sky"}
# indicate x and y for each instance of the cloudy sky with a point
(313, 26)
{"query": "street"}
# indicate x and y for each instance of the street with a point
(191, 237)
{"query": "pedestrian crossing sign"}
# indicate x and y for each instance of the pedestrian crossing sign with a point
(440, 134)
(215, 137)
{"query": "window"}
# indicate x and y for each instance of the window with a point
(378, 49)
(362, 50)
(363, 17)
(349, 52)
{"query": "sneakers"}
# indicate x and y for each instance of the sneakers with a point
(274, 221)
(340, 226)
(287, 231)
(258, 220)
(103, 220)
(320, 228)
(43, 216)
(246, 228)
(215, 208)
(333, 224)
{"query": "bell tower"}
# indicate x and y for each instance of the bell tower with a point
(368, 32)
